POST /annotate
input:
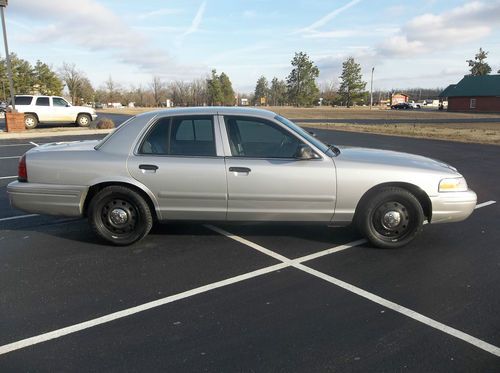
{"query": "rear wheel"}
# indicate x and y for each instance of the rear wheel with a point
(390, 218)
(119, 215)
(83, 120)
(30, 121)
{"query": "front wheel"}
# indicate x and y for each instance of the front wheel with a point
(83, 120)
(119, 215)
(390, 218)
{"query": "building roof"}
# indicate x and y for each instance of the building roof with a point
(484, 85)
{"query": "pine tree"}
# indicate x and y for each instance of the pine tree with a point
(227, 90)
(301, 82)
(214, 90)
(261, 94)
(352, 86)
(478, 66)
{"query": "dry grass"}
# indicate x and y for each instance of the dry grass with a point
(105, 123)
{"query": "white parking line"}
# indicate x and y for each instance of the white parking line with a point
(365, 294)
(484, 204)
(33, 143)
(18, 217)
(8, 177)
(18, 156)
(285, 262)
(5, 145)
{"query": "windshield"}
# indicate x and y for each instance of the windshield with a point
(302, 132)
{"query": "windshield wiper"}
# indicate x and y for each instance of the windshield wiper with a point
(333, 148)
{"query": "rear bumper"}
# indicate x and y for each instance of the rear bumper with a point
(63, 200)
(453, 206)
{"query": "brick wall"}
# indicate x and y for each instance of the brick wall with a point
(483, 104)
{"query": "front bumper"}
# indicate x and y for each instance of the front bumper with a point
(94, 116)
(453, 206)
(63, 200)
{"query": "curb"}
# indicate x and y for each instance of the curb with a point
(69, 132)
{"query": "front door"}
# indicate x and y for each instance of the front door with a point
(178, 162)
(265, 179)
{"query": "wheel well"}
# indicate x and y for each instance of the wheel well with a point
(422, 197)
(86, 114)
(94, 189)
(34, 114)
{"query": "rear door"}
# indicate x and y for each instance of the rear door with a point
(181, 161)
(43, 109)
(266, 180)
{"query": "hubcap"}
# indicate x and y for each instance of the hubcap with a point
(391, 219)
(118, 216)
(84, 120)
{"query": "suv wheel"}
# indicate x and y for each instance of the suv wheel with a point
(30, 121)
(83, 120)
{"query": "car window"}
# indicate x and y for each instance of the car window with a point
(187, 136)
(42, 101)
(58, 101)
(259, 138)
(23, 100)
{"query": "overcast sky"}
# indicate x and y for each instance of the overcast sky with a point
(410, 43)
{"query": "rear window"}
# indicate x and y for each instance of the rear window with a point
(23, 100)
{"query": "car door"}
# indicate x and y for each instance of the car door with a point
(43, 109)
(180, 159)
(266, 180)
(62, 111)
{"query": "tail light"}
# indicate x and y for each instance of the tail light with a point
(22, 173)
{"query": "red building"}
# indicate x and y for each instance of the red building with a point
(398, 98)
(474, 94)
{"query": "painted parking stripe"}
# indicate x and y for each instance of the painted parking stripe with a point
(297, 263)
(8, 177)
(33, 143)
(160, 302)
(15, 157)
(5, 145)
(157, 303)
(484, 204)
(18, 217)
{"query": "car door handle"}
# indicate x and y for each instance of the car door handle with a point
(239, 169)
(148, 167)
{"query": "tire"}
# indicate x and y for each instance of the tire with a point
(83, 120)
(390, 217)
(119, 215)
(30, 121)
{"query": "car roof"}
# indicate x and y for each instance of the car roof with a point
(213, 110)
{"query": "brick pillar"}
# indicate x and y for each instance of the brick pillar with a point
(14, 122)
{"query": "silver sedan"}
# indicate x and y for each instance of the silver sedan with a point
(233, 164)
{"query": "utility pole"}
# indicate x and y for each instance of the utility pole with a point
(3, 4)
(371, 89)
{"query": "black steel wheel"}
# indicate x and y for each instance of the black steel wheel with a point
(119, 215)
(390, 217)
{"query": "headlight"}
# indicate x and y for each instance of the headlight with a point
(453, 185)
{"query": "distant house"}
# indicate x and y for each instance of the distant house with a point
(474, 94)
(398, 98)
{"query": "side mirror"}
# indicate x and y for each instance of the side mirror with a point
(305, 152)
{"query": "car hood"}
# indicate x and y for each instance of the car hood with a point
(67, 146)
(391, 158)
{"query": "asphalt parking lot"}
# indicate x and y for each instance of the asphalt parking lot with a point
(225, 298)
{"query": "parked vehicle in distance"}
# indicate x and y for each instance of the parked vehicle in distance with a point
(235, 164)
(402, 106)
(52, 109)
(415, 105)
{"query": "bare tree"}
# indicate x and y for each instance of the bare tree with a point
(113, 90)
(73, 79)
(158, 90)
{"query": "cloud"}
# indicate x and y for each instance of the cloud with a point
(91, 25)
(324, 20)
(430, 32)
(158, 13)
(198, 18)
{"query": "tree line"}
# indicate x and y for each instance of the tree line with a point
(299, 88)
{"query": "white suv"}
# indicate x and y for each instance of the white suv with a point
(38, 109)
